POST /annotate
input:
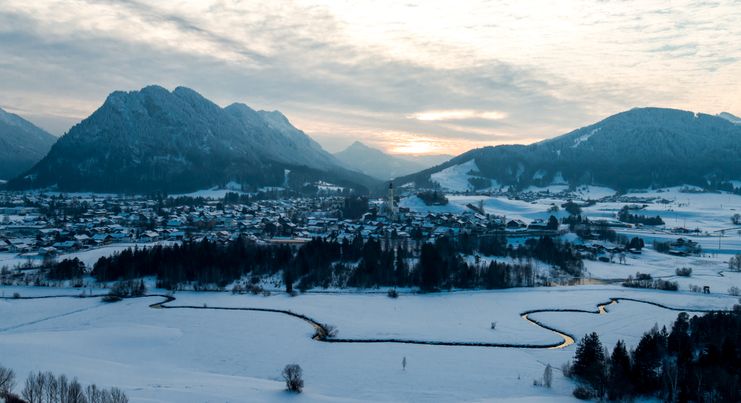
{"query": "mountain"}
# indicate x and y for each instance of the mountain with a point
(638, 148)
(729, 117)
(156, 140)
(21, 144)
(376, 163)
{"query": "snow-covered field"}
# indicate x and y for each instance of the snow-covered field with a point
(207, 355)
(187, 355)
(89, 256)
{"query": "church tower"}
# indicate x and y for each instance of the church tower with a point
(391, 203)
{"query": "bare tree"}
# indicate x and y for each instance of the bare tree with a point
(33, 391)
(734, 263)
(670, 371)
(7, 381)
(118, 396)
(293, 375)
(51, 387)
(75, 394)
(548, 376)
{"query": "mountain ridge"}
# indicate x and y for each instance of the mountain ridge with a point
(378, 164)
(22, 144)
(173, 141)
(638, 148)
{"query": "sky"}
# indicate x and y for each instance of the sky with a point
(409, 77)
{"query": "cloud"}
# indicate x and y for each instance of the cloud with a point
(457, 114)
(400, 76)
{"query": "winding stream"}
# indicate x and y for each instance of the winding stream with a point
(324, 334)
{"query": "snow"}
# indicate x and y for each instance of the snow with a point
(455, 178)
(89, 256)
(212, 193)
(585, 137)
(512, 209)
(185, 355)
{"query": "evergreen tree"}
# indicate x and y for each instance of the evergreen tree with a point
(589, 362)
(619, 381)
(429, 267)
(647, 361)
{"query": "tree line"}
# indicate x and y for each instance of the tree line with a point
(323, 263)
(46, 387)
(698, 360)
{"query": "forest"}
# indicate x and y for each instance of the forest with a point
(323, 263)
(698, 360)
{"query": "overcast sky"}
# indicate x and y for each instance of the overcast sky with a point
(409, 77)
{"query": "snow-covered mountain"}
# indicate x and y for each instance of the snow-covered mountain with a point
(21, 144)
(730, 117)
(157, 140)
(638, 148)
(374, 162)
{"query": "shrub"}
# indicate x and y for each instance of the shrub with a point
(567, 369)
(583, 393)
(392, 293)
(684, 272)
(293, 375)
(129, 288)
(734, 263)
(111, 298)
(662, 247)
(16, 295)
(646, 281)
(331, 330)
(734, 291)
(11, 398)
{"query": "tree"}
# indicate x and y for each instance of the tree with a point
(589, 362)
(33, 391)
(619, 371)
(7, 381)
(548, 376)
(647, 361)
(288, 279)
(636, 243)
(430, 267)
(734, 263)
(552, 223)
(293, 375)
(736, 219)
(572, 208)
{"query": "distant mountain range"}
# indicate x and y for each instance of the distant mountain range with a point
(156, 140)
(376, 163)
(21, 144)
(639, 148)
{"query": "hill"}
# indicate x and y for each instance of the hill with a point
(639, 148)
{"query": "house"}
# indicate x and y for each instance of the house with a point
(149, 236)
(102, 238)
(66, 245)
(516, 224)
